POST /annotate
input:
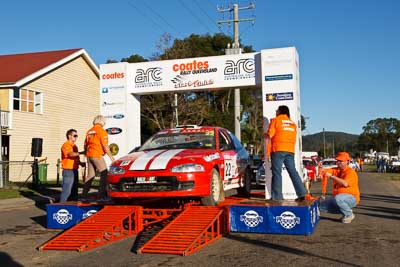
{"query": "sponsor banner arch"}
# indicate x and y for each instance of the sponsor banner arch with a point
(273, 70)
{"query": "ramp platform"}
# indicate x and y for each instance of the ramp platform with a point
(194, 228)
(110, 224)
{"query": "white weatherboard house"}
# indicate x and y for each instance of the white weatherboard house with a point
(43, 95)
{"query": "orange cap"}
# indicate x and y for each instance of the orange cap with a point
(343, 156)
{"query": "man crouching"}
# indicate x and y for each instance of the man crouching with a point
(345, 191)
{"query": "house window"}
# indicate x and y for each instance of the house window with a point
(28, 100)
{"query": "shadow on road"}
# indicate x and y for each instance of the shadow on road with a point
(286, 249)
(7, 261)
(41, 220)
(379, 216)
(389, 199)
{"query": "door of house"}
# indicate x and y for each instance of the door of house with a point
(5, 152)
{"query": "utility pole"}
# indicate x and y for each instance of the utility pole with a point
(323, 136)
(236, 50)
(176, 108)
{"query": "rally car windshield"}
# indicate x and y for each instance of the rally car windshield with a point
(204, 140)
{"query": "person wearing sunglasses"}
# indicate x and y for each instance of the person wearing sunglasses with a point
(70, 165)
(345, 190)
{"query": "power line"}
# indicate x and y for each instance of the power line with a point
(212, 21)
(146, 16)
(162, 18)
(194, 15)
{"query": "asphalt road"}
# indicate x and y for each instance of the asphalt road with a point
(373, 239)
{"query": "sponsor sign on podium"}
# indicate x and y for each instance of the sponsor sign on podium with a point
(67, 214)
(273, 219)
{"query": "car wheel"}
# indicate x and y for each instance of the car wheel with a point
(216, 190)
(246, 188)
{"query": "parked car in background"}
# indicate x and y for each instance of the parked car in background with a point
(188, 161)
(260, 175)
(328, 163)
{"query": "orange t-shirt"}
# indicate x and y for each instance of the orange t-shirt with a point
(283, 133)
(96, 137)
(347, 174)
(67, 162)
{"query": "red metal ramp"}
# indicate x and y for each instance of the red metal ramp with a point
(194, 228)
(110, 224)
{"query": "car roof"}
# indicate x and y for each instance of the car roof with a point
(189, 129)
(329, 159)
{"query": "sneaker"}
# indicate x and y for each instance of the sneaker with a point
(348, 219)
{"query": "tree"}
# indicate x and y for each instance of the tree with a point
(380, 134)
(303, 123)
(134, 59)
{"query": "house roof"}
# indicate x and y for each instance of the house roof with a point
(19, 69)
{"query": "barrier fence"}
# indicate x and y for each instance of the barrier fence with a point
(20, 171)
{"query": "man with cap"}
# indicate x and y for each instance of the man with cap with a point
(345, 190)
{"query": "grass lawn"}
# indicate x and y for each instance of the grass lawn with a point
(9, 193)
(394, 176)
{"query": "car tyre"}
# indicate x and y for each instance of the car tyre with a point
(216, 190)
(246, 188)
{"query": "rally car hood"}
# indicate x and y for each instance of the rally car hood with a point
(163, 159)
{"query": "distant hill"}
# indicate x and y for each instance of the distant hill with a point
(334, 142)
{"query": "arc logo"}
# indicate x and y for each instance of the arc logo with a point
(244, 65)
(148, 75)
(114, 130)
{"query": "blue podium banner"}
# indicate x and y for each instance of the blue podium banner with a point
(65, 215)
(248, 219)
(285, 219)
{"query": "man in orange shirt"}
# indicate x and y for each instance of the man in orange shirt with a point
(345, 191)
(281, 139)
(96, 146)
(70, 164)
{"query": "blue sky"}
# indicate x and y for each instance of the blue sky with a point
(349, 49)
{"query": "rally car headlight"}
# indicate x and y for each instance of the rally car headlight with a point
(116, 170)
(188, 168)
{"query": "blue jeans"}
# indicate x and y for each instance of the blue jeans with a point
(341, 203)
(277, 160)
(69, 185)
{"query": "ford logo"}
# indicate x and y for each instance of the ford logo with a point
(118, 116)
(114, 130)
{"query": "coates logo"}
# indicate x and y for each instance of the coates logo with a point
(287, 220)
(251, 218)
(181, 82)
(114, 130)
(148, 77)
(195, 65)
(112, 76)
(241, 69)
